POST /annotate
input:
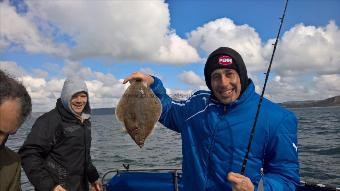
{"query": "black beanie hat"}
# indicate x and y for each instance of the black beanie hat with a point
(225, 57)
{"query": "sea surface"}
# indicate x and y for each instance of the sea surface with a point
(319, 145)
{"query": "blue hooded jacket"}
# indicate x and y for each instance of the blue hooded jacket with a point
(215, 138)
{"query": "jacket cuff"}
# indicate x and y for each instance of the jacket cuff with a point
(157, 86)
(46, 185)
(155, 83)
(92, 176)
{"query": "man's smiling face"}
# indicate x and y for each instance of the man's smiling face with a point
(226, 85)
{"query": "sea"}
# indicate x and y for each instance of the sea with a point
(318, 145)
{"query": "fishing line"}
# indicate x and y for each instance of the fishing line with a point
(244, 163)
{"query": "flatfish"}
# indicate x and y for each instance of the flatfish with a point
(139, 110)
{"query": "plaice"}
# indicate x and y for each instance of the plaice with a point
(139, 110)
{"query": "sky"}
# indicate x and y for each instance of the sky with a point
(104, 41)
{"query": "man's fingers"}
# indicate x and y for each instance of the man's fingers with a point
(96, 186)
(145, 78)
(59, 188)
(235, 177)
(99, 187)
(128, 79)
(134, 76)
(240, 182)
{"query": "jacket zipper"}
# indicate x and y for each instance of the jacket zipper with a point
(85, 147)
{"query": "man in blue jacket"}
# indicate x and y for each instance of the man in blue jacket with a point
(215, 128)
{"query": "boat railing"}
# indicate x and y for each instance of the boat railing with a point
(177, 174)
(313, 186)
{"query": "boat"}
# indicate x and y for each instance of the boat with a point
(168, 179)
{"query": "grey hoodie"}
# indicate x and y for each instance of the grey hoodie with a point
(72, 86)
(57, 150)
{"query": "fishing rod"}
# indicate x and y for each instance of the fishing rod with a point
(244, 163)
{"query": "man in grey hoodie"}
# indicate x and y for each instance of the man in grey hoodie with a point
(56, 153)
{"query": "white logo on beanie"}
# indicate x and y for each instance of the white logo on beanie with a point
(225, 60)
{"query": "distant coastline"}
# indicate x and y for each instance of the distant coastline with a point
(103, 111)
(329, 102)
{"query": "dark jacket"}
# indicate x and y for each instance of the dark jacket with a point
(9, 170)
(57, 150)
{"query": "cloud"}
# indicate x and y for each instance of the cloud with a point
(327, 85)
(42, 97)
(19, 32)
(103, 95)
(12, 68)
(306, 50)
(72, 68)
(281, 88)
(104, 89)
(123, 30)
(44, 93)
(306, 64)
(40, 73)
(177, 51)
(192, 79)
(224, 32)
(147, 71)
(299, 88)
